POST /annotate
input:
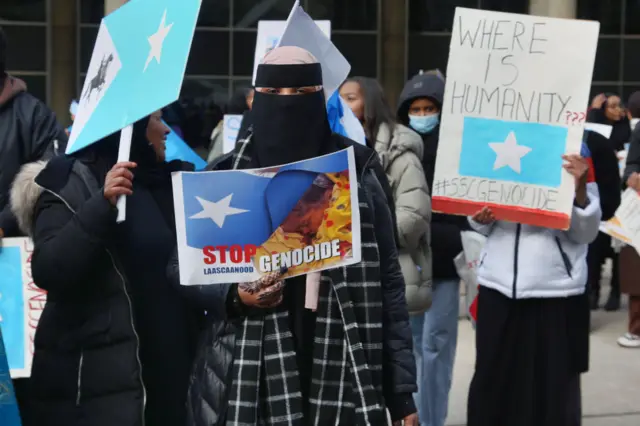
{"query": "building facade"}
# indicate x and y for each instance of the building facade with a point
(50, 41)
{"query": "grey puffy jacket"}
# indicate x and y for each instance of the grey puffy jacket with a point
(400, 150)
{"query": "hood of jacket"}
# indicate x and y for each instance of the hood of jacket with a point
(10, 89)
(24, 195)
(392, 143)
(429, 85)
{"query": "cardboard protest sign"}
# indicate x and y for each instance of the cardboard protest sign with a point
(137, 66)
(238, 225)
(21, 304)
(269, 34)
(9, 413)
(515, 99)
(625, 225)
(230, 129)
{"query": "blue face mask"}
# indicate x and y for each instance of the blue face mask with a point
(423, 124)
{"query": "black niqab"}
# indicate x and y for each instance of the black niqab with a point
(289, 128)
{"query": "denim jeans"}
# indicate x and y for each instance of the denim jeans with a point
(435, 336)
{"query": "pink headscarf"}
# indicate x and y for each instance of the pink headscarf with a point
(289, 55)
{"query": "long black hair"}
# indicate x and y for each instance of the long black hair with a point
(376, 108)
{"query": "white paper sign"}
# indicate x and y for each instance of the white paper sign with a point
(21, 304)
(231, 127)
(515, 99)
(603, 129)
(269, 34)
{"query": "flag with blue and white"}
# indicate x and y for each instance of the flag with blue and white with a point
(177, 149)
(236, 225)
(136, 68)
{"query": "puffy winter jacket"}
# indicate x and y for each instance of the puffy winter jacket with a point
(523, 261)
(400, 150)
(28, 132)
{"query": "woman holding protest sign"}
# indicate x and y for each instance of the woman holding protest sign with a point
(532, 334)
(114, 344)
(315, 365)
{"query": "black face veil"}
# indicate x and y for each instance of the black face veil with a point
(289, 128)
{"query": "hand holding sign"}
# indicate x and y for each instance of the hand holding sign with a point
(263, 293)
(119, 181)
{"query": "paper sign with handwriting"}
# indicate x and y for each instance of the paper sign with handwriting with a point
(516, 92)
(21, 304)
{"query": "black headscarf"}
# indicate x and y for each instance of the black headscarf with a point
(3, 55)
(621, 132)
(103, 155)
(237, 105)
(289, 128)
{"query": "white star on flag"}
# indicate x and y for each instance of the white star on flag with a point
(509, 153)
(157, 40)
(217, 211)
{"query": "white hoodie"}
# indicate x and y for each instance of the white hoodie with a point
(523, 261)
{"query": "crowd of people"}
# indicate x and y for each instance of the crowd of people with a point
(121, 342)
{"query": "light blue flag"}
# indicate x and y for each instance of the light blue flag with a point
(529, 153)
(9, 413)
(343, 121)
(136, 68)
(177, 149)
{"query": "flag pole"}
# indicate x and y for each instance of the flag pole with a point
(124, 152)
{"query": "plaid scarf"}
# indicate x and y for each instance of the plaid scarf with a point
(346, 376)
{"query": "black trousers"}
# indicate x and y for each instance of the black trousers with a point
(529, 357)
(599, 251)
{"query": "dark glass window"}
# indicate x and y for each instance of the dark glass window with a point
(23, 10)
(511, 6)
(247, 13)
(607, 66)
(435, 15)
(361, 50)
(428, 52)
(91, 11)
(608, 13)
(26, 48)
(213, 89)
(631, 68)
(599, 88)
(88, 37)
(240, 83)
(627, 90)
(345, 15)
(244, 46)
(632, 17)
(209, 53)
(36, 85)
(214, 13)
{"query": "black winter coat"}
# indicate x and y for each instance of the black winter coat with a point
(28, 132)
(86, 369)
(101, 339)
(207, 402)
(633, 157)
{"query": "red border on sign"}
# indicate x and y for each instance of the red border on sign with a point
(535, 217)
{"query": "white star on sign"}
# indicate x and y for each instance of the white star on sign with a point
(157, 40)
(509, 153)
(217, 211)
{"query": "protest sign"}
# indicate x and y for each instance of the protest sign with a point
(515, 99)
(625, 225)
(269, 34)
(136, 67)
(9, 413)
(230, 129)
(238, 225)
(177, 149)
(21, 304)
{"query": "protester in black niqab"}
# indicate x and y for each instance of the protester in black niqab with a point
(300, 130)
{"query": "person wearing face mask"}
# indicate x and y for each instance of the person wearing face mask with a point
(419, 108)
(115, 342)
(269, 358)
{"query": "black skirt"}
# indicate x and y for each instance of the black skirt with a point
(530, 353)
